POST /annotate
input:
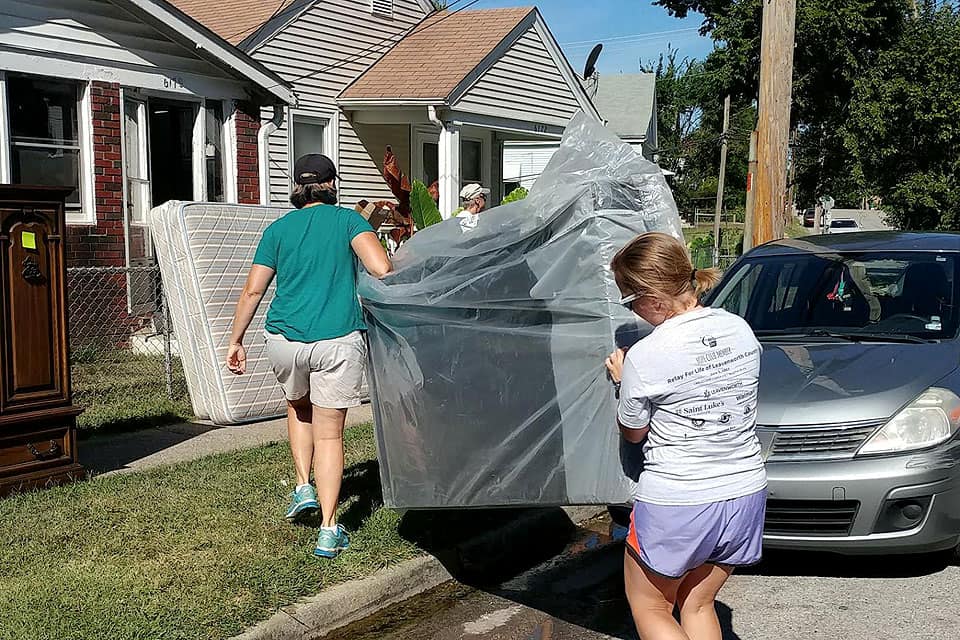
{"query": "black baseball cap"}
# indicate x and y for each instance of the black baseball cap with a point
(313, 168)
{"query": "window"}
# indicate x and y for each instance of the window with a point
(45, 134)
(471, 161)
(431, 162)
(135, 156)
(308, 136)
(382, 8)
(864, 293)
(213, 152)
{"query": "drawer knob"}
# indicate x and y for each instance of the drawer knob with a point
(52, 452)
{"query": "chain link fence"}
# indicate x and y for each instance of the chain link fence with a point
(125, 360)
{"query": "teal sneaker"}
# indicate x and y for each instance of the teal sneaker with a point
(302, 502)
(331, 542)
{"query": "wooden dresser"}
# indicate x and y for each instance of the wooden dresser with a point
(37, 418)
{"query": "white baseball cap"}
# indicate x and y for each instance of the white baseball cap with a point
(472, 191)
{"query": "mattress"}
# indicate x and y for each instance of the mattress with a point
(205, 251)
(487, 341)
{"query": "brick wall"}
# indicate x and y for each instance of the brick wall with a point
(248, 167)
(102, 244)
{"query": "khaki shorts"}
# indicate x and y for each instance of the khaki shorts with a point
(331, 371)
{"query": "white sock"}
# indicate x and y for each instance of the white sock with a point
(333, 528)
(301, 486)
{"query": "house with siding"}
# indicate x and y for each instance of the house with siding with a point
(627, 102)
(132, 103)
(444, 90)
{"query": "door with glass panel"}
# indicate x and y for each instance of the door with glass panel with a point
(141, 283)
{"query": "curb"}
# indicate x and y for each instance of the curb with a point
(355, 600)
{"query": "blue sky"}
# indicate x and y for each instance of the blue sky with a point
(631, 30)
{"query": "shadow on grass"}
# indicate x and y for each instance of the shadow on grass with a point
(486, 546)
(360, 496)
(100, 452)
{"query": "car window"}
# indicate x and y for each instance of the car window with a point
(909, 293)
(843, 224)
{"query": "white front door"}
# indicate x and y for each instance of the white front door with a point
(426, 156)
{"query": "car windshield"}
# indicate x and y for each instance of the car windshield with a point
(843, 224)
(866, 294)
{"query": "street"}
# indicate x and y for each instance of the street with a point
(578, 594)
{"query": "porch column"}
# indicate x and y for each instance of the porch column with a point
(449, 162)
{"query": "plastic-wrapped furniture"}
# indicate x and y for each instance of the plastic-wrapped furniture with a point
(487, 342)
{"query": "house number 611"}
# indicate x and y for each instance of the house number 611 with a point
(172, 83)
(540, 128)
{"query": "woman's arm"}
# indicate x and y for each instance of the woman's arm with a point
(614, 365)
(257, 282)
(371, 253)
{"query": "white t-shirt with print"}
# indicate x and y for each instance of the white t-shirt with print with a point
(694, 381)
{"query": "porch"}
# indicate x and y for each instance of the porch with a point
(446, 147)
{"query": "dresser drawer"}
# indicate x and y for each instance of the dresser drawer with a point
(24, 452)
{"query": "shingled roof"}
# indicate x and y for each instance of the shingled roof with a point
(437, 55)
(234, 20)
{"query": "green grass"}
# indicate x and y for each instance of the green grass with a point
(120, 390)
(194, 551)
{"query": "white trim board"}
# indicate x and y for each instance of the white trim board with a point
(167, 17)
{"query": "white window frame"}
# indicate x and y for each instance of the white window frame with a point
(484, 160)
(230, 170)
(6, 168)
(87, 214)
(386, 13)
(330, 123)
(420, 136)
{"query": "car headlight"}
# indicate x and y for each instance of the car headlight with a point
(930, 419)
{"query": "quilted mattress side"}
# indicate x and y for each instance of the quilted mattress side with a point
(221, 240)
(169, 256)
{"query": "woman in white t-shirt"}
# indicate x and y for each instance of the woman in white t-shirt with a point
(688, 391)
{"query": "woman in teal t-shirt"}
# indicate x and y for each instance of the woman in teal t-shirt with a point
(314, 335)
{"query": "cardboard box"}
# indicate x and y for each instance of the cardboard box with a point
(372, 213)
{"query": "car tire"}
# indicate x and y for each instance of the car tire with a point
(620, 515)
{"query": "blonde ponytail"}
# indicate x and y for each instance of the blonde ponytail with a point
(703, 280)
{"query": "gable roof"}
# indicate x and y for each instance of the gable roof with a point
(232, 20)
(168, 18)
(434, 58)
(626, 102)
(237, 21)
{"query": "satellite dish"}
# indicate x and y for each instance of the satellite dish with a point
(590, 75)
(591, 67)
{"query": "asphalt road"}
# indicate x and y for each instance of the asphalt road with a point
(793, 596)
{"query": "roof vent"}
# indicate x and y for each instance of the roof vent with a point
(382, 7)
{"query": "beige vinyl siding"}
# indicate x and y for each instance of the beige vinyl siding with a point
(335, 36)
(93, 30)
(525, 84)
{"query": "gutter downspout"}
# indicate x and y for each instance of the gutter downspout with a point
(432, 116)
(263, 152)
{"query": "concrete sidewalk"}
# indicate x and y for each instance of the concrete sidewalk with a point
(139, 450)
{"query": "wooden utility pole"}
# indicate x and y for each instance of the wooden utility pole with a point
(723, 173)
(773, 118)
(751, 194)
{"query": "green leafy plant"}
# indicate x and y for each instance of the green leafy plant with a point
(422, 206)
(517, 194)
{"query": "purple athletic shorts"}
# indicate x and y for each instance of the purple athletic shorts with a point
(672, 540)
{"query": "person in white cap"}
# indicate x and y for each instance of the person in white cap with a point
(473, 198)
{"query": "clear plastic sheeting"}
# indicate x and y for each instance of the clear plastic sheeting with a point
(487, 342)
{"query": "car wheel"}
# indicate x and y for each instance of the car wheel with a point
(620, 515)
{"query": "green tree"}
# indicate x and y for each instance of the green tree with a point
(904, 126)
(837, 41)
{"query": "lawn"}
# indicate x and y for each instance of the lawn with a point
(121, 390)
(197, 550)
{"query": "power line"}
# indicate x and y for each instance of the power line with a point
(381, 46)
(641, 36)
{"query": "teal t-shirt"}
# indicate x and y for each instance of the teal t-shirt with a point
(316, 297)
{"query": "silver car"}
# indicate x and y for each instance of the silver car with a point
(859, 388)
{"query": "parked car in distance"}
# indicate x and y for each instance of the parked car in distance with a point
(808, 217)
(859, 403)
(843, 225)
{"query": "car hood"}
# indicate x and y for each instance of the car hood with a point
(810, 383)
